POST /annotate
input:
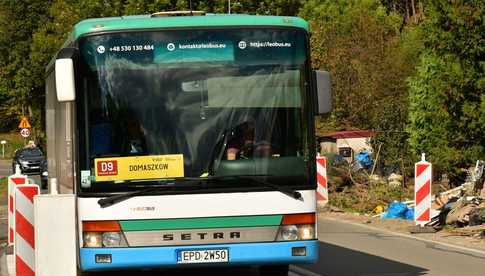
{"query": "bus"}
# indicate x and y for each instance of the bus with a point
(187, 140)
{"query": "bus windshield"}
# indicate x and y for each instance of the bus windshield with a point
(161, 105)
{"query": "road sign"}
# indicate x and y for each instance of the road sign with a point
(25, 132)
(24, 123)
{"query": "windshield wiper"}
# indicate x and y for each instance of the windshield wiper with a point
(263, 182)
(111, 200)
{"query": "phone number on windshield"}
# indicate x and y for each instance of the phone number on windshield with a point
(131, 48)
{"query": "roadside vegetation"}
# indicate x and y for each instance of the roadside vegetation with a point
(411, 70)
(3, 186)
(14, 142)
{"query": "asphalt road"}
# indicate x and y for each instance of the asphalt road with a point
(356, 250)
(5, 168)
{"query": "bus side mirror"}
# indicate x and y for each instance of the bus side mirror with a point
(323, 87)
(65, 84)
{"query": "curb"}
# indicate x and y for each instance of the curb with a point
(476, 251)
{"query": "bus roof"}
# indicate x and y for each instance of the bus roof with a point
(96, 25)
(136, 22)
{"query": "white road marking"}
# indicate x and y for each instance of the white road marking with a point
(302, 271)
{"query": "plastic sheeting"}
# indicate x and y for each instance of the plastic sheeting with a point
(398, 210)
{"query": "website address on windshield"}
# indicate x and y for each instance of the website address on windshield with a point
(202, 46)
(267, 44)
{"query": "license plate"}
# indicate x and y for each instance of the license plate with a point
(203, 256)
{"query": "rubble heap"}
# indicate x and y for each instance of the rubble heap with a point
(462, 207)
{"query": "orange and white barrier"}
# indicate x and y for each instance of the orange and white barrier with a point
(322, 191)
(422, 191)
(13, 180)
(24, 246)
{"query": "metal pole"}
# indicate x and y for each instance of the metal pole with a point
(3, 142)
(229, 6)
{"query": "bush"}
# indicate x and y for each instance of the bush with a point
(365, 198)
(14, 142)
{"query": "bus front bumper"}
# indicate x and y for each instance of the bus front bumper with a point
(166, 256)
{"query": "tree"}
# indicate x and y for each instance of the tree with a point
(447, 91)
(359, 42)
(18, 21)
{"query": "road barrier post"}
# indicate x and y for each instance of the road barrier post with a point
(322, 189)
(16, 179)
(55, 235)
(422, 191)
(24, 246)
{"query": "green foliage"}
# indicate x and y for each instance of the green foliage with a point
(350, 39)
(17, 21)
(359, 43)
(3, 186)
(14, 142)
(447, 91)
(277, 7)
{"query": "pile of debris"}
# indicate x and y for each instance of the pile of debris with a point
(462, 207)
(360, 186)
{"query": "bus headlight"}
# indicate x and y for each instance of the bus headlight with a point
(103, 234)
(306, 232)
(288, 233)
(296, 232)
(92, 239)
(111, 239)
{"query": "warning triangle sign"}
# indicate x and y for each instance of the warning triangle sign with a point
(24, 123)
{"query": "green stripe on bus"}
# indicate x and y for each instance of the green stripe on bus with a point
(199, 223)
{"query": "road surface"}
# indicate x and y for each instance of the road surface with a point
(356, 250)
(5, 168)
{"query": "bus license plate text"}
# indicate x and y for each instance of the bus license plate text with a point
(203, 256)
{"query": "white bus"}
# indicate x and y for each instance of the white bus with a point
(187, 140)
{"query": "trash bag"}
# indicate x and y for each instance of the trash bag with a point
(409, 215)
(364, 158)
(398, 210)
(339, 160)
